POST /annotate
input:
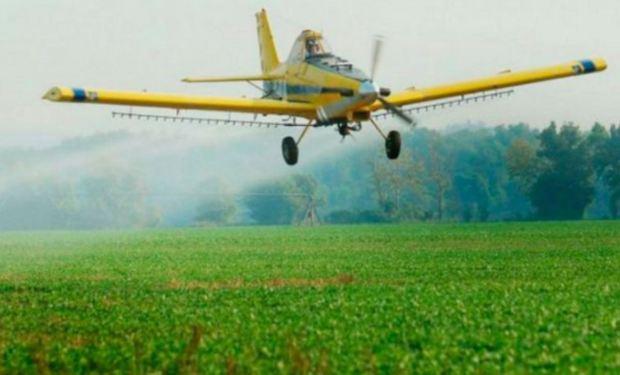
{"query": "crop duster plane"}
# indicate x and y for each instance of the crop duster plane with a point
(324, 89)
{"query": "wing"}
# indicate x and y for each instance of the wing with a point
(503, 80)
(175, 101)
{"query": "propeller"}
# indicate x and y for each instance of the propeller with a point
(377, 47)
(328, 112)
(376, 57)
(368, 93)
(397, 112)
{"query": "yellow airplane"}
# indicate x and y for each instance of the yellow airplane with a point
(322, 88)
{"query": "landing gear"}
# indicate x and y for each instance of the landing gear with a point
(290, 151)
(392, 145)
(392, 141)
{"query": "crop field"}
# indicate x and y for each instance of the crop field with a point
(485, 298)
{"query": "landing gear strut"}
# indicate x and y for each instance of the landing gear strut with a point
(392, 145)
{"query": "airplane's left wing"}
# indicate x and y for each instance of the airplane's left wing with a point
(504, 80)
(176, 101)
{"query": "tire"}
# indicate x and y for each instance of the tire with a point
(290, 151)
(392, 145)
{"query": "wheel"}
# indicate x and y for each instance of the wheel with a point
(290, 151)
(392, 145)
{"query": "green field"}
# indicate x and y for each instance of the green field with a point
(366, 299)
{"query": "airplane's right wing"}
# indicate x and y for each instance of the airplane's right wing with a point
(177, 101)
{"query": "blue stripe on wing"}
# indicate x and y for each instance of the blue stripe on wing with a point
(79, 95)
(588, 66)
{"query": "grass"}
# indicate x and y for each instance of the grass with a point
(509, 298)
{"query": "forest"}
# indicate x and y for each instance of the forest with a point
(468, 173)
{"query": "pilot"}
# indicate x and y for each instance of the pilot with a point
(312, 47)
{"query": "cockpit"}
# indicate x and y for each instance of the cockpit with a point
(312, 49)
(309, 44)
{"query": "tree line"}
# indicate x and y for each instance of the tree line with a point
(505, 173)
(465, 174)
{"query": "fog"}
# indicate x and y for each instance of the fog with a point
(163, 170)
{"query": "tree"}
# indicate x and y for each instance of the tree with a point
(522, 163)
(395, 183)
(612, 175)
(606, 146)
(478, 173)
(564, 187)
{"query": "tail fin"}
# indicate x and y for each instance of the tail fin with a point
(268, 54)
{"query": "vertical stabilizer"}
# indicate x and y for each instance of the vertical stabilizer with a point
(268, 54)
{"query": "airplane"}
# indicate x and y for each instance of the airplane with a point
(323, 89)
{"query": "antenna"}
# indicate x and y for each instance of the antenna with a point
(289, 21)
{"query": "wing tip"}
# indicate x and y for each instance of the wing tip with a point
(600, 64)
(53, 95)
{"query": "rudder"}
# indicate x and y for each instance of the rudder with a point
(268, 53)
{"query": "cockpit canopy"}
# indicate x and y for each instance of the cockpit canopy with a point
(310, 48)
(308, 45)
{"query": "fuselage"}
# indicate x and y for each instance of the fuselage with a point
(313, 74)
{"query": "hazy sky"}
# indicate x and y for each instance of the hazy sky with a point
(152, 44)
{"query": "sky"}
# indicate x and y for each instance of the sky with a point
(153, 44)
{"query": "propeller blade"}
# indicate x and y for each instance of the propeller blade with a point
(368, 93)
(333, 110)
(376, 56)
(397, 112)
